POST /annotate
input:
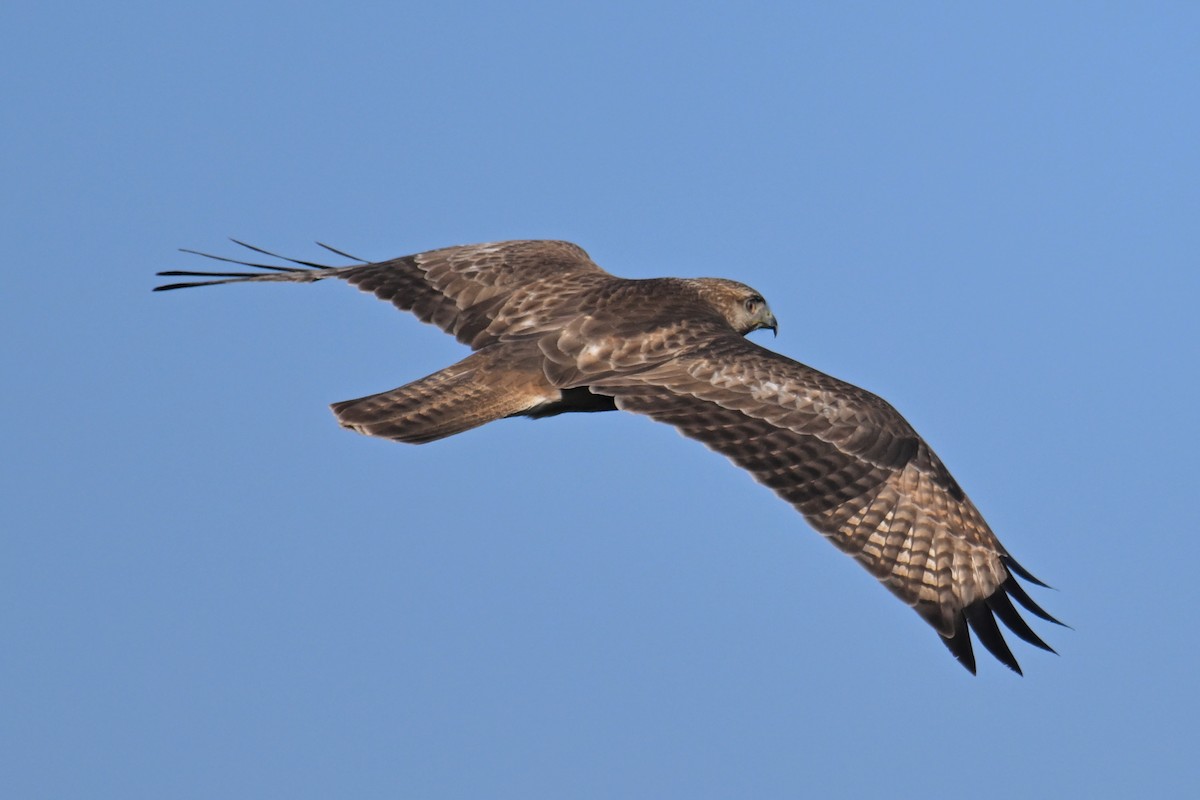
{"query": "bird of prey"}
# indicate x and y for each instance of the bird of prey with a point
(551, 332)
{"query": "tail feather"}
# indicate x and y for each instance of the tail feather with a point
(477, 390)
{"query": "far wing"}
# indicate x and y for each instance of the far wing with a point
(476, 292)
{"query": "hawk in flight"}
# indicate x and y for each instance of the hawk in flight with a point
(551, 332)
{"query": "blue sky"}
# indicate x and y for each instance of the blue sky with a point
(986, 215)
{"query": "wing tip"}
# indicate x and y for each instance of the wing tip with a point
(1013, 566)
(959, 645)
(981, 618)
(303, 272)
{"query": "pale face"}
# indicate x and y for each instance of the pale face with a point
(755, 313)
(742, 307)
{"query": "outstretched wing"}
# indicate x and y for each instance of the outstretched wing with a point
(478, 292)
(855, 469)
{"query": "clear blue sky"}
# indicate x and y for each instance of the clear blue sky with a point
(990, 216)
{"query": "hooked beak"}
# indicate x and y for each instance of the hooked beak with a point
(769, 322)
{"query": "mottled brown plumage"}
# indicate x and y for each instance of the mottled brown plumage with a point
(552, 332)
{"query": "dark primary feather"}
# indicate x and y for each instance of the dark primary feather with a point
(555, 333)
(979, 617)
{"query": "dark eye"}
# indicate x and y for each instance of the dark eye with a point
(753, 303)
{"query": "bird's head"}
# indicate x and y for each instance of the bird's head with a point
(742, 307)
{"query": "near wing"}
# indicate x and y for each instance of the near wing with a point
(858, 473)
(476, 292)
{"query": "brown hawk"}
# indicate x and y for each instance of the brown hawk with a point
(551, 332)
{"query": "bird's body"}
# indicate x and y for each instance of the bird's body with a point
(551, 333)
